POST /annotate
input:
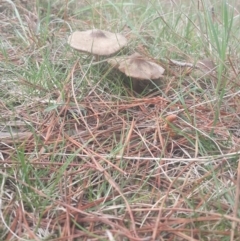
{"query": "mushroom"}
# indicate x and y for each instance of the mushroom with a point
(206, 65)
(97, 42)
(204, 68)
(139, 68)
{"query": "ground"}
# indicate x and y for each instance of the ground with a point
(85, 157)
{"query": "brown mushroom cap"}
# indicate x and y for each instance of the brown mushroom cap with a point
(205, 65)
(138, 67)
(97, 42)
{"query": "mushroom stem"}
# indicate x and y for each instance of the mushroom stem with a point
(96, 57)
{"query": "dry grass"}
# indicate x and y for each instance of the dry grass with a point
(82, 158)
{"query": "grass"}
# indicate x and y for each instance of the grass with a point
(83, 158)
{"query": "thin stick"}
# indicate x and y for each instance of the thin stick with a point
(236, 203)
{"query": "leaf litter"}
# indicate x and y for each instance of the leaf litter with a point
(125, 168)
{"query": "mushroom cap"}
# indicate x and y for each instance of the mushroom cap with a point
(205, 65)
(138, 67)
(98, 42)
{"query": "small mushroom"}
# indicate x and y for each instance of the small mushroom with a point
(139, 68)
(206, 65)
(97, 42)
(204, 68)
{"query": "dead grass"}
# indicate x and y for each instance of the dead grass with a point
(85, 159)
